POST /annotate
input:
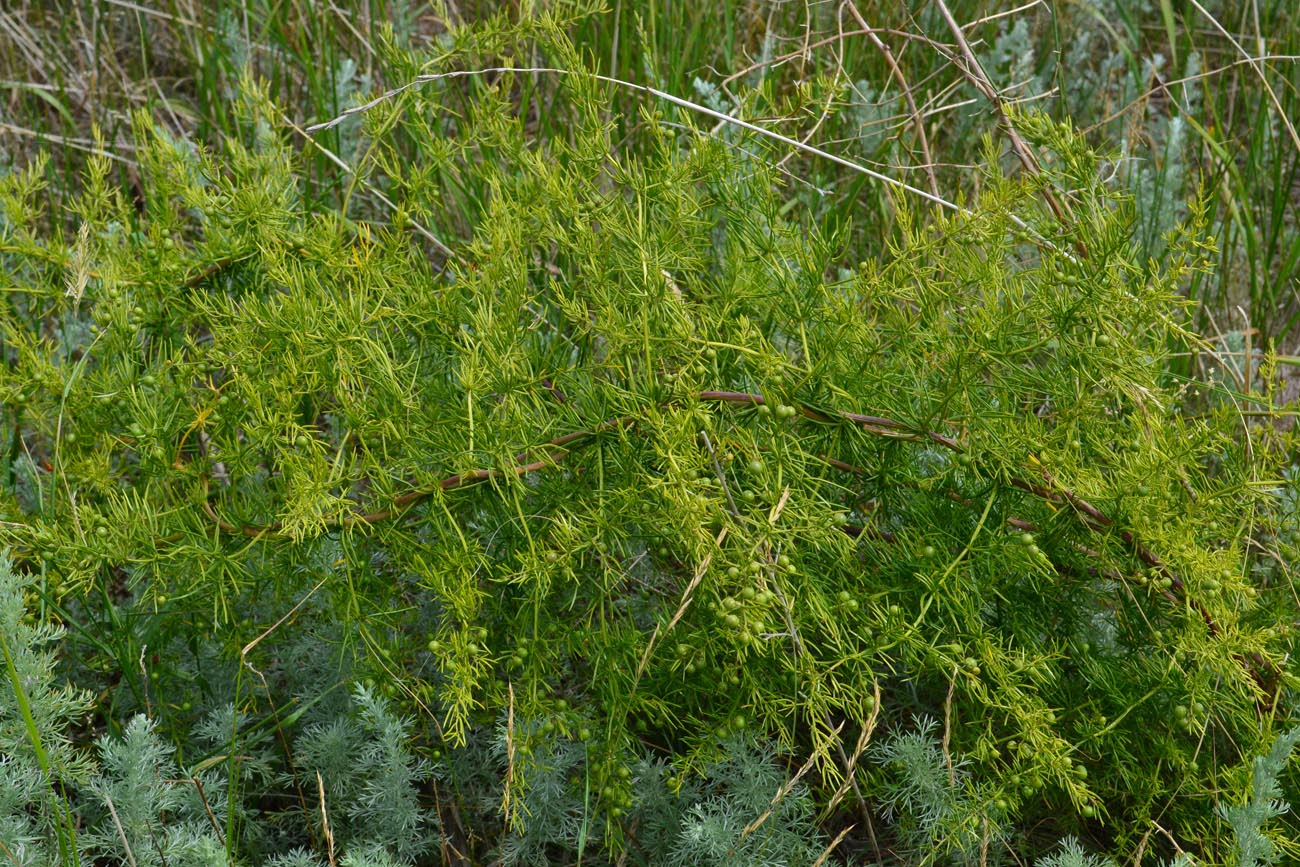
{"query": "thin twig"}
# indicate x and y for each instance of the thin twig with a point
(1050, 490)
(325, 820)
(917, 120)
(975, 73)
(1256, 65)
(682, 103)
(121, 833)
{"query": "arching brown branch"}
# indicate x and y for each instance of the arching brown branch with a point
(1091, 516)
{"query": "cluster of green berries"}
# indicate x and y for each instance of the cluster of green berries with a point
(782, 410)
(1185, 717)
(1030, 544)
(477, 643)
(745, 611)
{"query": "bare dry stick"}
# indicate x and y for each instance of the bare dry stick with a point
(212, 817)
(510, 759)
(788, 786)
(121, 833)
(975, 72)
(826, 853)
(851, 765)
(839, 37)
(690, 106)
(325, 820)
(1256, 65)
(700, 572)
(1165, 85)
(370, 188)
(1003, 14)
(894, 69)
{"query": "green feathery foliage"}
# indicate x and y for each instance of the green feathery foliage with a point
(624, 456)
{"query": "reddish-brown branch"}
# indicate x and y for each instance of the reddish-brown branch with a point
(1092, 517)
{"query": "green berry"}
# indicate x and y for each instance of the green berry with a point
(928, 551)
(756, 466)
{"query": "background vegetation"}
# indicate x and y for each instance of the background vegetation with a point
(251, 673)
